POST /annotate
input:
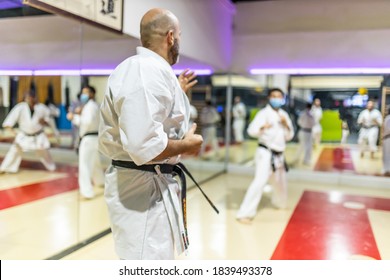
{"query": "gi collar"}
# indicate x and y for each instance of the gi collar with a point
(147, 52)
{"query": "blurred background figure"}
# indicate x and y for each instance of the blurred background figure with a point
(31, 118)
(209, 119)
(273, 128)
(239, 115)
(90, 169)
(54, 113)
(193, 114)
(306, 123)
(370, 120)
(317, 129)
(386, 144)
(75, 108)
(344, 131)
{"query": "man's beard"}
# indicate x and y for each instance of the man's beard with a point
(174, 53)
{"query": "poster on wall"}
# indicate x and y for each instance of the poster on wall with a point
(1, 97)
(108, 13)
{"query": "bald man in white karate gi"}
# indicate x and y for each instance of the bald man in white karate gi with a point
(144, 124)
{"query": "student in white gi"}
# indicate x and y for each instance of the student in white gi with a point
(209, 119)
(90, 169)
(193, 114)
(54, 113)
(144, 121)
(31, 117)
(344, 131)
(239, 115)
(273, 127)
(386, 145)
(317, 129)
(306, 123)
(75, 108)
(370, 120)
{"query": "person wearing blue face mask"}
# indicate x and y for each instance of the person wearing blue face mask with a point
(90, 169)
(273, 128)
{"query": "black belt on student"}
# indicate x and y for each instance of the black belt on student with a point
(308, 130)
(209, 125)
(369, 126)
(386, 137)
(81, 138)
(33, 134)
(273, 154)
(88, 134)
(175, 169)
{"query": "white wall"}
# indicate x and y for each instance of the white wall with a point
(206, 27)
(4, 84)
(74, 83)
(313, 50)
(99, 83)
(312, 34)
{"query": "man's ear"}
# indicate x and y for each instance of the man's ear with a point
(171, 38)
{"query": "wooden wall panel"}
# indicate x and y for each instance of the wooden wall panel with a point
(41, 87)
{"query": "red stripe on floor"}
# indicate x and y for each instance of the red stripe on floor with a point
(321, 228)
(335, 159)
(32, 192)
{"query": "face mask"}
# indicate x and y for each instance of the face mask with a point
(84, 98)
(276, 103)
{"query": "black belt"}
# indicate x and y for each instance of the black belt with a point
(369, 126)
(308, 130)
(81, 138)
(89, 133)
(209, 125)
(33, 134)
(273, 154)
(174, 169)
(386, 137)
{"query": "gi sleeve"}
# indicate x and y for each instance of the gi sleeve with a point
(258, 122)
(379, 119)
(12, 117)
(141, 116)
(360, 117)
(88, 116)
(289, 133)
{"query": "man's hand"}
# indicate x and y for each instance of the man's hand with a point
(266, 126)
(78, 110)
(193, 141)
(10, 130)
(69, 116)
(186, 80)
(42, 121)
(283, 121)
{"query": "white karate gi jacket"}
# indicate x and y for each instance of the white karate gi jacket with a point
(29, 125)
(143, 107)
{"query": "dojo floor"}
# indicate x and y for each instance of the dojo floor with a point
(333, 212)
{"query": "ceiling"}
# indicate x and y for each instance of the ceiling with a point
(10, 4)
(271, 17)
(55, 42)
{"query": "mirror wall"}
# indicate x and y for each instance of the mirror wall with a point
(342, 96)
(39, 209)
(42, 214)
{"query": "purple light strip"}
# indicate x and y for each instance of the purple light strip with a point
(56, 72)
(199, 72)
(85, 72)
(16, 73)
(259, 71)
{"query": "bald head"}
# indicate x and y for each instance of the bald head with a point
(155, 25)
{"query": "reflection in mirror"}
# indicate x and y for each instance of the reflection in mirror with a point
(38, 181)
(337, 140)
(207, 112)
